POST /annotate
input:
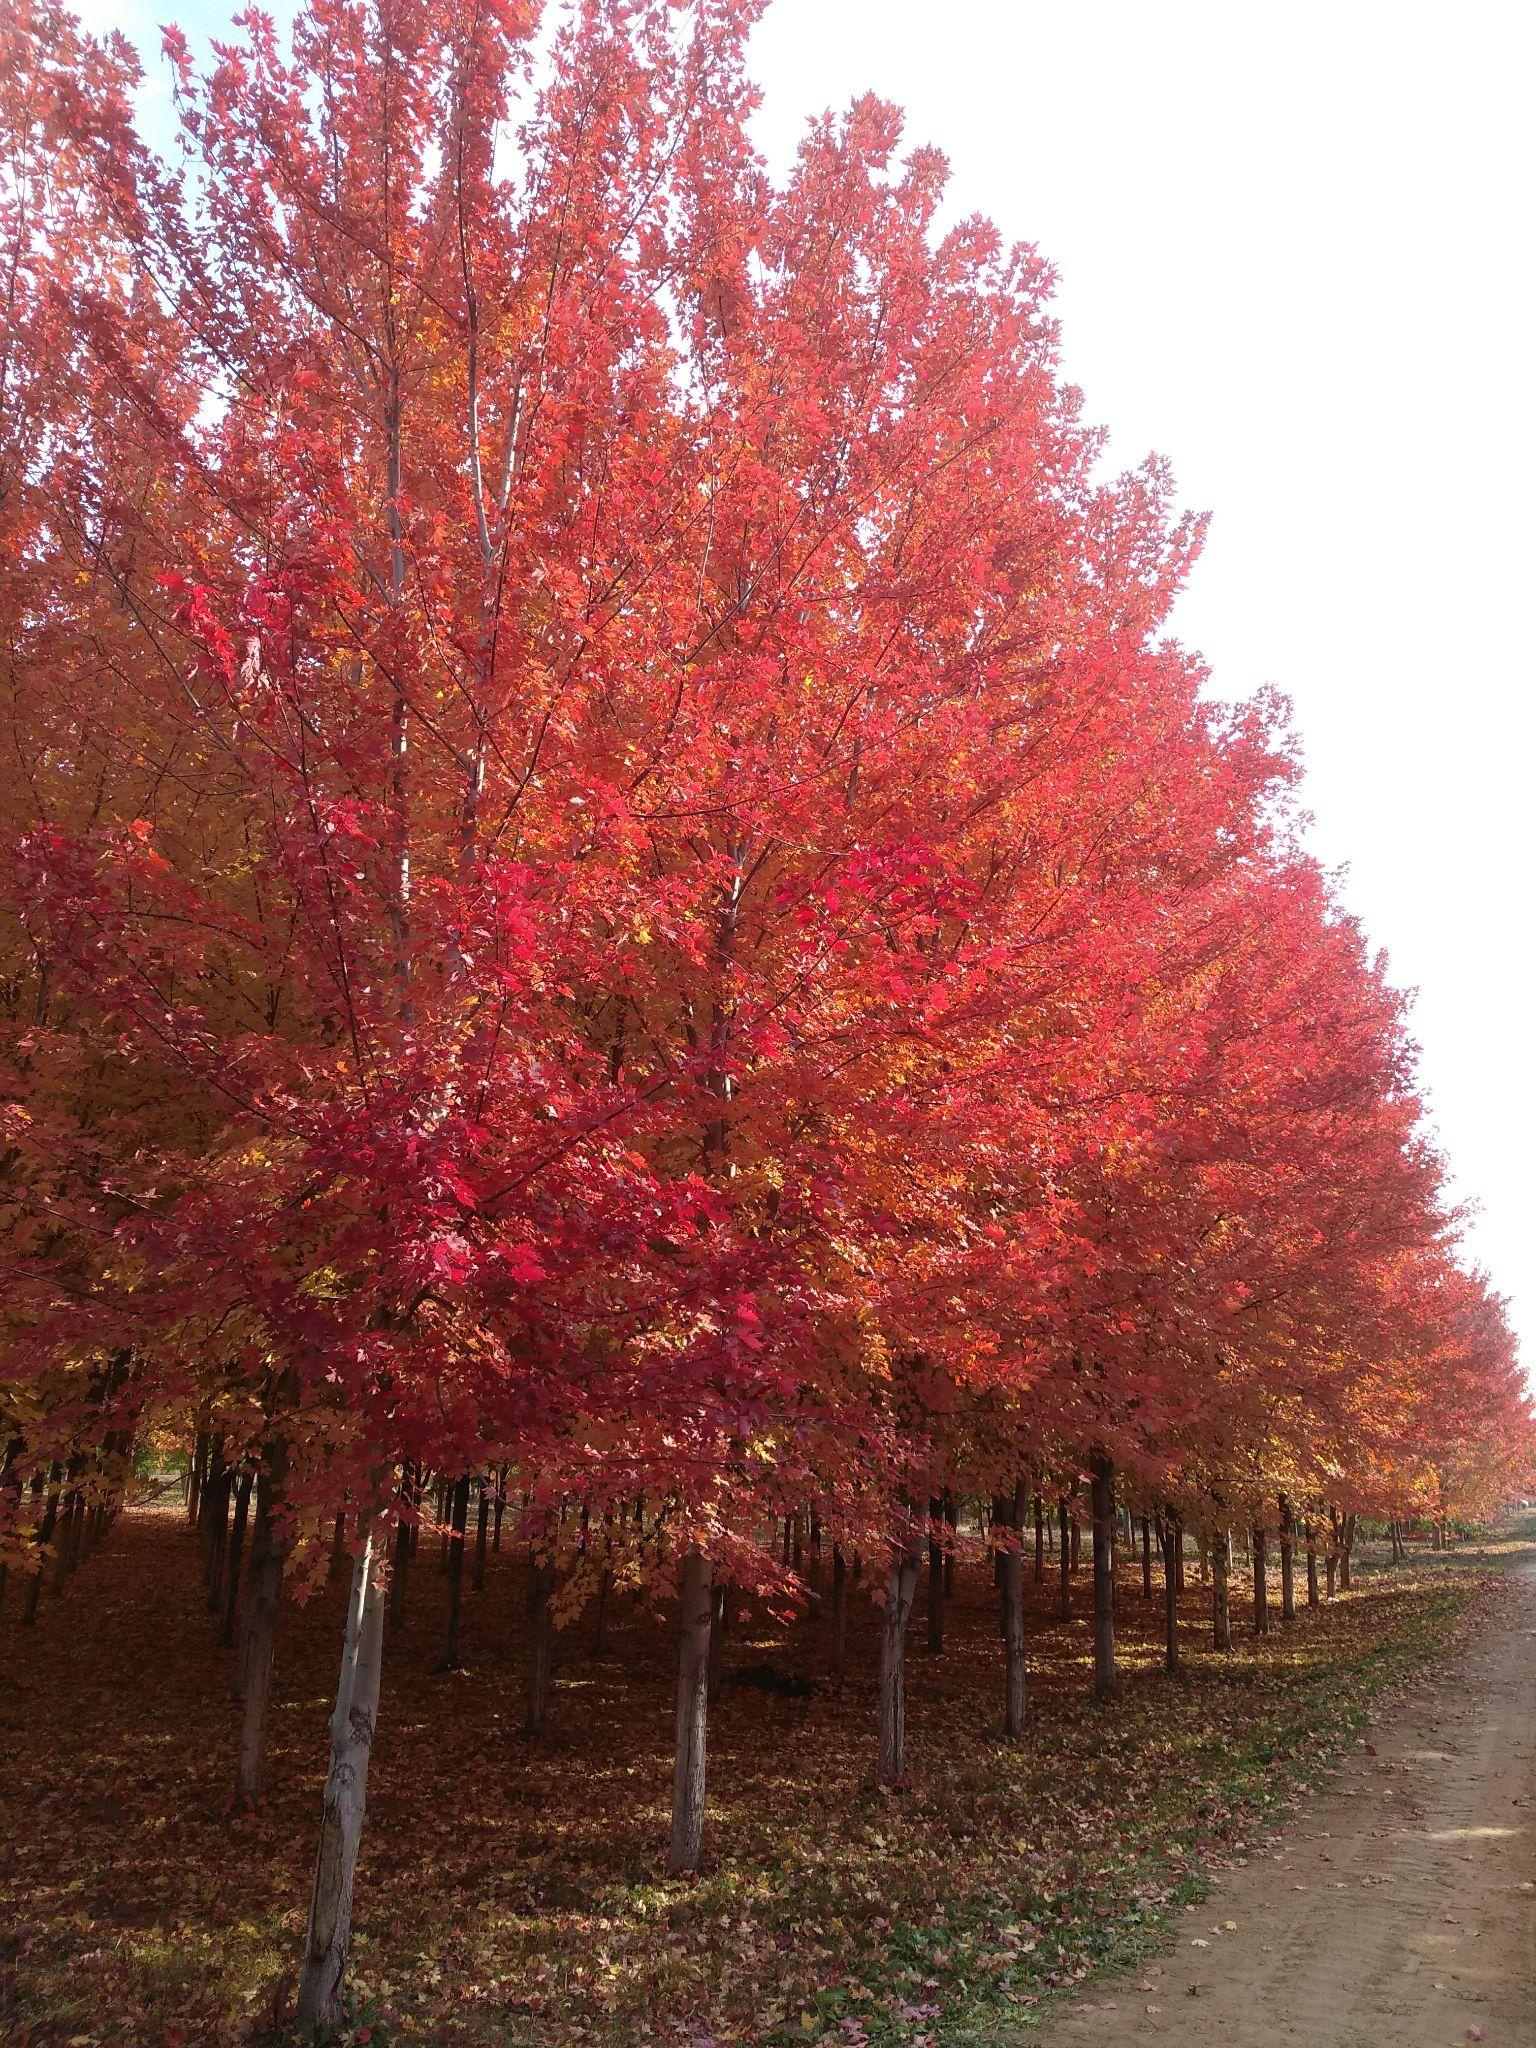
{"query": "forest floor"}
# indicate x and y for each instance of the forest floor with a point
(511, 1895)
(1399, 1910)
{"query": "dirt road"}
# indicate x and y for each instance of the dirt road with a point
(1399, 1911)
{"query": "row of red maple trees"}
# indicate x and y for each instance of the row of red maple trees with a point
(610, 875)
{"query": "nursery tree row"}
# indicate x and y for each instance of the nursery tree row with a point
(617, 908)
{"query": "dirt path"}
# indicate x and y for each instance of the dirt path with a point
(1398, 1911)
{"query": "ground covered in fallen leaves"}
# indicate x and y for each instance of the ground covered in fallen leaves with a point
(513, 1893)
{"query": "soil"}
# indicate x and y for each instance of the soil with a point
(1399, 1911)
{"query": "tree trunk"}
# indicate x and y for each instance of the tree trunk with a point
(263, 1594)
(1075, 1544)
(952, 1523)
(1346, 1549)
(696, 1588)
(935, 1579)
(232, 1573)
(1015, 1670)
(212, 1476)
(1221, 1600)
(1173, 1538)
(1146, 1557)
(216, 1532)
(1103, 1577)
(600, 1618)
(44, 1538)
(719, 1622)
(453, 1599)
(195, 1476)
(1260, 1582)
(1065, 1560)
(482, 1533)
(1287, 1562)
(1311, 1536)
(900, 1591)
(541, 1647)
(69, 1532)
(839, 1613)
(1039, 1540)
(346, 1794)
(1012, 1608)
(404, 1546)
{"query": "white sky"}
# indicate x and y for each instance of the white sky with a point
(1294, 248)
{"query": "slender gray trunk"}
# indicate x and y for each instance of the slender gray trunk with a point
(1260, 1582)
(1065, 1560)
(482, 1533)
(600, 1619)
(345, 1802)
(44, 1538)
(263, 1594)
(1287, 1562)
(541, 1647)
(195, 1476)
(696, 1589)
(719, 1623)
(69, 1535)
(900, 1591)
(1221, 1601)
(1173, 1540)
(935, 1578)
(1015, 1670)
(454, 1596)
(216, 1531)
(232, 1572)
(407, 1533)
(839, 1613)
(1103, 1577)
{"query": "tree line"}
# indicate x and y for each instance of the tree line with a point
(619, 909)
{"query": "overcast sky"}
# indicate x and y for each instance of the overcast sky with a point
(1294, 250)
